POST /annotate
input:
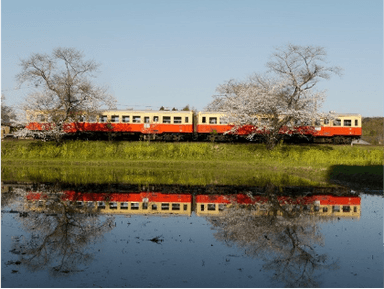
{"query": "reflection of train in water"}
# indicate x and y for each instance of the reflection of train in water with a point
(189, 125)
(201, 204)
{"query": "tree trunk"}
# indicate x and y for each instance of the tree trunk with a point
(271, 142)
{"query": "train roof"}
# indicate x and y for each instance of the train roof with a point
(333, 112)
(145, 111)
(346, 114)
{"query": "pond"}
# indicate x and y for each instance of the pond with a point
(122, 235)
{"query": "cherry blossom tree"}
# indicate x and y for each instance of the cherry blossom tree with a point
(277, 102)
(63, 91)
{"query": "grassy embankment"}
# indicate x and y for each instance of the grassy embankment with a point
(190, 163)
(373, 130)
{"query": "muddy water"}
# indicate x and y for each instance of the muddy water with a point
(190, 237)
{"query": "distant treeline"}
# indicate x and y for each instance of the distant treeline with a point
(373, 130)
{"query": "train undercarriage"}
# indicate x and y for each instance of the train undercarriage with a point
(203, 137)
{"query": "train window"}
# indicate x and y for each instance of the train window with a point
(101, 205)
(166, 119)
(146, 119)
(203, 120)
(186, 119)
(325, 209)
(346, 209)
(125, 118)
(154, 207)
(355, 209)
(136, 119)
(81, 118)
(124, 206)
(115, 118)
(165, 206)
(91, 204)
(103, 118)
(221, 207)
(264, 120)
(316, 208)
(92, 118)
(40, 117)
(337, 122)
(185, 207)
(177, 119)
(135, 206)
(79, 204)
(145, 206)
(347, 122)
(335, 208)
(113, 205)
(211, 207)
(356, 122)
(213, 120)
(201, 207)
(326, 121)
(175, 207)
(317, 122)
(155, 119)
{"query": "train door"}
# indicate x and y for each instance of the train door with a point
(146, 122)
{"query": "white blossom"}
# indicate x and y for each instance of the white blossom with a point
(278, 102)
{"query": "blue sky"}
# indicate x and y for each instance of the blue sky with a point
(174, 53)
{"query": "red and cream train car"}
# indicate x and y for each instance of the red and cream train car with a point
(187, 125)
(343, 129)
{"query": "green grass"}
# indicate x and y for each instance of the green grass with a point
(185, 163)
(83, 151)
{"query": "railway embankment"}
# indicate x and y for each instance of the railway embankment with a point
(191, 163)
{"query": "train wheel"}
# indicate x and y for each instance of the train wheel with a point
(341, 140)
(348, 140)
(195, 137)
(167, 137)
(177, 137)
(211, 138)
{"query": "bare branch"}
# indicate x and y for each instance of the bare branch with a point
(64, 87)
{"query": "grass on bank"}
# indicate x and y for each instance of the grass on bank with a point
(96, 151)
(189, 163)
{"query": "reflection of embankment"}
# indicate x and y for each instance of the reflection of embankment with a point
(200, 202)
(357, 176)
(185, 173)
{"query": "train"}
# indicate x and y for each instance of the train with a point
(196, 126)
(145, 203)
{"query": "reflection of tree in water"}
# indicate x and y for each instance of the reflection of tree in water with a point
(284, 236)
(59, 236)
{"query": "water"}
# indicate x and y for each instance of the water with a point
(260, 239)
